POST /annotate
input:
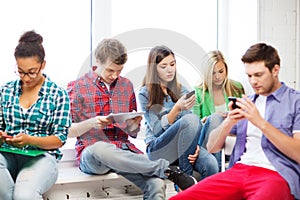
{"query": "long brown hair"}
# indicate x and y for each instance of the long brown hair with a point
(152, 81)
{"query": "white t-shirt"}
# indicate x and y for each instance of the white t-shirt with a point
(254, 154)
(24, 110)
(107, 85)
(221, 108)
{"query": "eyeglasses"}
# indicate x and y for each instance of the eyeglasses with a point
(29, 74)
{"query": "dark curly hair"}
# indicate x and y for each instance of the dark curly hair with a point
(30, 44)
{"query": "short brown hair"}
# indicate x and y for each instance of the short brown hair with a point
(262, 52)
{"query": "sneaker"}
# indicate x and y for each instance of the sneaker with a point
(181, 179)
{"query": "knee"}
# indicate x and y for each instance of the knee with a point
(93, 158)
(155, 188)
(192, 121)
(26, 195)
(5, 194)
(192, 118)
(206, 164)
(211, 169)
(3, 163)
(212, 165)
(103, 146)
(215, 119)
(101, 150)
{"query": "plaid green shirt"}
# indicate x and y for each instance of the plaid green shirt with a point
(49, 115)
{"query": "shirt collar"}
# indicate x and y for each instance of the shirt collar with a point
(43, 89)
(277, 94)
(46, 85)
(97, 79)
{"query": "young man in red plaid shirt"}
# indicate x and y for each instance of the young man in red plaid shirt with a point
(102, 145)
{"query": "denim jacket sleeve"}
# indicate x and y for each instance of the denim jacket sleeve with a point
(153, 121)
(156, 117)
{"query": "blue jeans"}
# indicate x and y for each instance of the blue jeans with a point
(25, 177)
(148, 175)
(178, 142)
(212, 122)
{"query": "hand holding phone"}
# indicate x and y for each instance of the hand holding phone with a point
(190, 94)
(233, 99)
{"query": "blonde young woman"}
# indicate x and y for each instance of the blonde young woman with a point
(212, 95)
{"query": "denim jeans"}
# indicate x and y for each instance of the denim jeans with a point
(178, 142)
(25, 177)
(212, 122)
(148, 175)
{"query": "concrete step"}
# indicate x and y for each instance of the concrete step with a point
(74, 184)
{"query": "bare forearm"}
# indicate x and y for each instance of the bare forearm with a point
(290, 146)
(172, 115)
(48, 142)
(217, 137)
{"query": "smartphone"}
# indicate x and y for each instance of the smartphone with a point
(233, 99)
(190, 94)
(6, 136)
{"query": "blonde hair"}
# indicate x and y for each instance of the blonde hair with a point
(112, 50)
(207, 68)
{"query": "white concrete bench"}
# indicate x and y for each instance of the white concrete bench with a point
(74, 184)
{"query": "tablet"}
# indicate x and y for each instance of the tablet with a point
(122, 117)
(26, 152)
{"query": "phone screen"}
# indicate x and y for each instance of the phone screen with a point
(7, 136)
(233, 99)
(190, 94)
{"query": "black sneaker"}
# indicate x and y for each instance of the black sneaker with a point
(181, 179)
